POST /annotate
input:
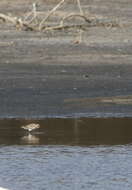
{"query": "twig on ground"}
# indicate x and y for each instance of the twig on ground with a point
(80, 8)
(60, 27)
(28, 15)
(75, 15)
(6, 43)
(33, 13)
(50, 13)
(78, 39)
(80, 31)
(34, 18)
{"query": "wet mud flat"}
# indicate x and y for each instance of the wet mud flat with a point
(50, 74)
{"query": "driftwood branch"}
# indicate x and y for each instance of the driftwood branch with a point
(16, 22)
(5, 18)
(34, 23)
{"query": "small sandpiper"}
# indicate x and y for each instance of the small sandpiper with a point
(31, 126)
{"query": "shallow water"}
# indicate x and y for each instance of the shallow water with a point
(65, 167)
(68, 131)
(66, 154)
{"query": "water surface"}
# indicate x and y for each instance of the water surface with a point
(65, 154)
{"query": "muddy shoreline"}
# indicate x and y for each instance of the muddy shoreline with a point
(40, 73)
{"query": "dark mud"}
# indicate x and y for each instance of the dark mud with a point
(38, 91)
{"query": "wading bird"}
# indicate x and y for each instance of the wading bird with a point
(30, 127)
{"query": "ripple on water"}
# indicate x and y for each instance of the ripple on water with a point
(66, 167)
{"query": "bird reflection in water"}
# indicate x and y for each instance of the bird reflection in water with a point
(30, 139)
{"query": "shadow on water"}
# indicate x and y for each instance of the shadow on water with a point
(82, 131)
